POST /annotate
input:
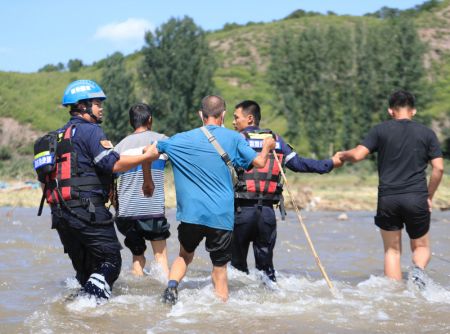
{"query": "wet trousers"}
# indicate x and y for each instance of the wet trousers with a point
(256, 224)
(93, 249)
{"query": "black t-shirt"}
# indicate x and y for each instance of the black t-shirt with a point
(404, 149)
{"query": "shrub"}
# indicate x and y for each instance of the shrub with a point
(5, 153)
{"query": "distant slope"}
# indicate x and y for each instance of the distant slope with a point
(35, 98)
(243, 56)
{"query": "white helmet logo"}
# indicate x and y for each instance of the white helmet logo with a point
(80, 89)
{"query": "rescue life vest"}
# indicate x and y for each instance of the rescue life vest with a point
(55, 163)
(262, 184)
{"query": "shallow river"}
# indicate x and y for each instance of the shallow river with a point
(36, 279)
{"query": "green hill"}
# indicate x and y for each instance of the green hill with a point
(243, 55)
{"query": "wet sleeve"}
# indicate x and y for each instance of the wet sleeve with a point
(104, 157)
(303, 165)
(245, 154)
(434, 149)
(371, 140)
(163, 146)
(163, 156)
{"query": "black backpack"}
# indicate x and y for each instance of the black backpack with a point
(45, 155)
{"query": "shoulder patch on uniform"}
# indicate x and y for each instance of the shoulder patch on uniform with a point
(106, 144)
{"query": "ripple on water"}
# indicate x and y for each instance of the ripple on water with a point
(300, 301)
(369, 303)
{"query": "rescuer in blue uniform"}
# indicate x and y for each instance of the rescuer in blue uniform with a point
(78, 190)
(259, 189)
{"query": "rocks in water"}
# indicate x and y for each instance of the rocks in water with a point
(342, 216)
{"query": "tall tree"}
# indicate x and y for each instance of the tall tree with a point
(118, 87)
(281, 75)
(333, 83)
(339, 86)
(177, 71)
(408, 70)
(315, 94)
(74, 65)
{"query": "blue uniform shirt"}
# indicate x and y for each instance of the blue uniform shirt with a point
(297, 163)
(203, 183)
(86, 140)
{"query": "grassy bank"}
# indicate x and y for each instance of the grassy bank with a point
(346, 190)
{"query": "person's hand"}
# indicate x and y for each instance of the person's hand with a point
(151, 152)
(112, 198)
(269, 142)
(337, 161)
(148, 188)
(430, 204)
(148, 148)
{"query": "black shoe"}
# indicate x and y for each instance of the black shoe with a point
(270, 274)
(418, 277)
(170, 296)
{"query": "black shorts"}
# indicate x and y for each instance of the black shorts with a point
(409, 209)
(136, 231)
(218, 242)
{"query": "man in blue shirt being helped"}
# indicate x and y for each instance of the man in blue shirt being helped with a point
(259, 189)
(204, 191)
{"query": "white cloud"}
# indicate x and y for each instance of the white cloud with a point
(130, 30)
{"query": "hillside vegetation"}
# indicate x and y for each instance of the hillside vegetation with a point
(243, 57)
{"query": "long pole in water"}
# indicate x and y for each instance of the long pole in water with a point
(300, 219)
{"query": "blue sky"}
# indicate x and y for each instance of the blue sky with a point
(35, 33)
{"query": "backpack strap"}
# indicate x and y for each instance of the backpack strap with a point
(224, 155)
(41, 205)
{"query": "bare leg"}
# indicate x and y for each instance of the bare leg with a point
(392, 241)
(179, 266)
(138, 265)
(220, 281)
(160, 252)
(421, 251)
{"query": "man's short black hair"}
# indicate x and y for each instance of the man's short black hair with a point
(140, 114)
(212, 106)
(402, 99)
(76, 107)
(250, 107)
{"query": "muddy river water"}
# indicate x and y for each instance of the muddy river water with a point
(36, 279)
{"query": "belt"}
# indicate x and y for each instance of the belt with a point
(253, 202)
(84, 202)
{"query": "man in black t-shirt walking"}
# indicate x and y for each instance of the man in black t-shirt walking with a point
(404, 150)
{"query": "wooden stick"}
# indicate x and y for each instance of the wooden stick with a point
(322, 269)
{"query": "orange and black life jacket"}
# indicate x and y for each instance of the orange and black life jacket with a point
(261, 184)
(55, 163)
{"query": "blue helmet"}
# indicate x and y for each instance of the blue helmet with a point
(82, 90)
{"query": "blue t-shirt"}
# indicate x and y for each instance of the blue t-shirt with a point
(204, 189)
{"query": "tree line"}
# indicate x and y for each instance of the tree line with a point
(73, 65)
(176, 73)
(331, 82)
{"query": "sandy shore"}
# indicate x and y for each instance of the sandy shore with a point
(336, 192)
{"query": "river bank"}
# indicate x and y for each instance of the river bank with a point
(332, 192)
